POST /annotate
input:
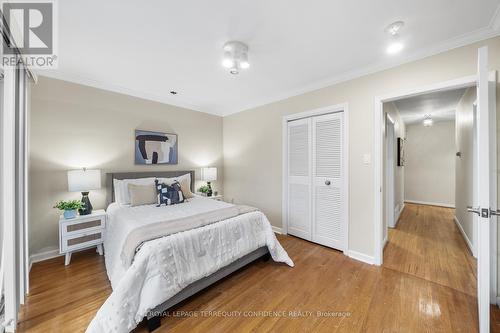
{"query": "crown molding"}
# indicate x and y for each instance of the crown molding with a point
(453, 43)
(490, 31)
(59, 75)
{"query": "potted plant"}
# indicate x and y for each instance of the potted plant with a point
(204, 190)
(70, 207)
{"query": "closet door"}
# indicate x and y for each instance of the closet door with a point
(299, 178)
(329, 227)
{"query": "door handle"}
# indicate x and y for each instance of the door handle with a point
(494, 212)
(475, 210)
(327, 182)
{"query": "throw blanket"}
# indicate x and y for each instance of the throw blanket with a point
(164, 228)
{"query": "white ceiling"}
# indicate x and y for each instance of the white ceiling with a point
(148, 48)
(440, 105)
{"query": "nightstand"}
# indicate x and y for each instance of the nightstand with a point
(81, 232)
(218, 197)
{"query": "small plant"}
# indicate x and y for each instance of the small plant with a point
(69, 205)
(204, 189)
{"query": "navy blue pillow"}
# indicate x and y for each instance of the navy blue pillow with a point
(169, 194)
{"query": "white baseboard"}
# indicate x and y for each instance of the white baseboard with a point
(399, 214)
(48, 253)
(428, 203)
(386, 239)
(360, 257)
(277, 230)
(464, 235)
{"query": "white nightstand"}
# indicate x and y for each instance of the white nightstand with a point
(218, 197)
(82, 232)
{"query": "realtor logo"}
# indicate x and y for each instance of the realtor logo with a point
(32, 31)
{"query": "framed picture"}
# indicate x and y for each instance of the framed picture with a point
(155, 147)
(401, 152)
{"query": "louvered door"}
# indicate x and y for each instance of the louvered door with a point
(327, 181)
(299, 178)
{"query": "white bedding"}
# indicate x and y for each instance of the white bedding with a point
(164, 266)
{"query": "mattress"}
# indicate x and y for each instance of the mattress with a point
(162, 267)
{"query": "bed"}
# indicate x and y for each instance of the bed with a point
(167, 269)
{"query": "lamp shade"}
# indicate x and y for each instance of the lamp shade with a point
(208, 174)
(84, 180)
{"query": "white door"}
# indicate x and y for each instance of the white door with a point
(299, 178)
(328, 179)
(486, 188)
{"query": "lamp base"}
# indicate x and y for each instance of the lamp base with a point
(209, 192)
(87, 209)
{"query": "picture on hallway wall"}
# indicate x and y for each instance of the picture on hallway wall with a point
(155, 148)
(401, 152)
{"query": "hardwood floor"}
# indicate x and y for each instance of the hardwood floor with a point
(427, 284)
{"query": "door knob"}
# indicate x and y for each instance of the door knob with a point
(327, 182)
(494, 212)
(475, 210)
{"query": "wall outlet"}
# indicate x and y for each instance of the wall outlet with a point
(367, 159)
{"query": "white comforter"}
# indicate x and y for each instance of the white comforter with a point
(164, 266)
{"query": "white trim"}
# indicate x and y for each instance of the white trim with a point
(429, 203)
(277, 230)
(360, 257)
(423, 52)
(463, 82)
(57, 74)
(490, 31)
(386, 239)
(399, 214)
(49, 253)
(343, 107)
(467, 240)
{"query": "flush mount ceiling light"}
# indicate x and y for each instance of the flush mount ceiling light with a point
(395, 44)
(235, 57)
(428, 120)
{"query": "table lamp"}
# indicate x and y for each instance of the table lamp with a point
(83, 181)
(208, 175)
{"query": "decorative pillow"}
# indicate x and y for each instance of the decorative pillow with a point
(184, 180)
(169, 194)
(142, 194)
(122, 195)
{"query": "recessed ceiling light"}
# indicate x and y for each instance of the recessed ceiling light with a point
(395, 44)
(428, 120)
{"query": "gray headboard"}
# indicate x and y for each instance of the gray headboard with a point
(110, 191)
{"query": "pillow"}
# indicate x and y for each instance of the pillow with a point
(169, 194)
(142, 194)
(186, 188)
(184, 181)
(121, 188)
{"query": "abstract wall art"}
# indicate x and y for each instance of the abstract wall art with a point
(155, 148)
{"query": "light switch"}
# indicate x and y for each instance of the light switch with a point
(367, 159)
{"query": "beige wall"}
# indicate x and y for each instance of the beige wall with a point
(430, 163)
(74, 126)
(252, 139)
(399, 171)
(464, 164)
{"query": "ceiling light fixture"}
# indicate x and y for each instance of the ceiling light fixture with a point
(428, 120)
(395, 45)
(235, 57)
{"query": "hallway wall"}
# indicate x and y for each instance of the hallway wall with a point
(399, 131)
(464, 164)
(430, 163)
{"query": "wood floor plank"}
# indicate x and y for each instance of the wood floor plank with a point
(427, 284)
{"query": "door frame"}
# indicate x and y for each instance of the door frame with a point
(343, 107)
(463, 82)
(390, 195)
